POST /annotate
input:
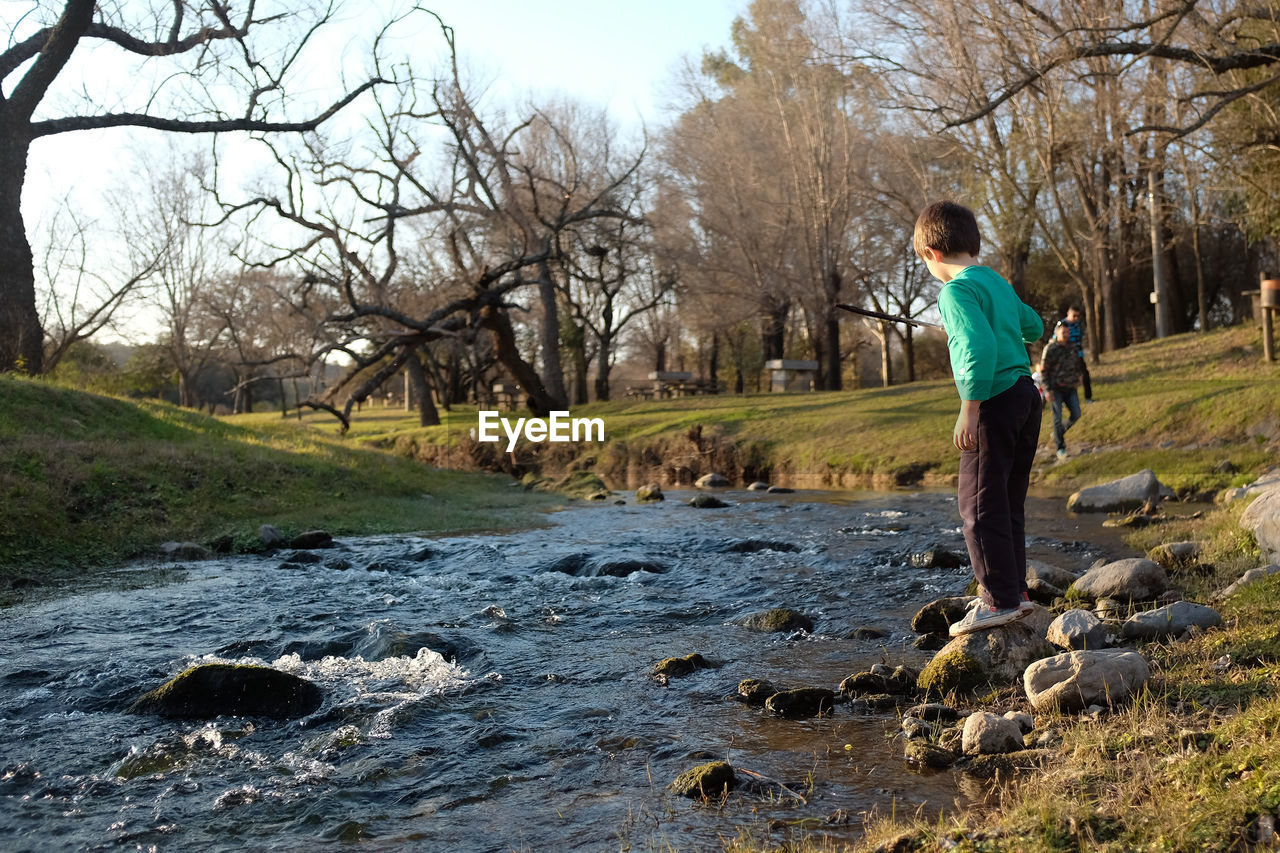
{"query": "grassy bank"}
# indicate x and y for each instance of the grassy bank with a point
(1192, 764)
(1200, 410)
(89, 481)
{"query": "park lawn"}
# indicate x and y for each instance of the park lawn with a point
(1202, 411)
(90, 481)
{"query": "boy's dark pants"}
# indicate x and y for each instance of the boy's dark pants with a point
(993, 490)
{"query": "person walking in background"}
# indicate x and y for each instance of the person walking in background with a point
(1074, 321)
(998, 429)
(1060, 366)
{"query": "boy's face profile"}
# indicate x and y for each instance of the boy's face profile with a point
(1073, 316)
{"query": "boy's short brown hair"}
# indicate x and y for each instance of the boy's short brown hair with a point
(949, 228)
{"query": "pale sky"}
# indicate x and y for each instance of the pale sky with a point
(624, 55)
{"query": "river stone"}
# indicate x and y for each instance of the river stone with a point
(1131, 579)
(1076, 680)
(579, 484)
(995, 656)
(777, 620)
(758, 486)
(215, 689)
(679, 667)
(708, 780)
(312, 539)
(863, 683)
(938, 558)
(185, 551)
(1077, 630)
(1121, 495)
(1262, 517)
(1169, 621)
(801, 703)
(753, 692)
(938, 615)
(1026, 722)
(270, 536)
(930, 642)
(1042, 592)
(988, 734)
(1053, 575)
(712, 481)
(780, 490)
(1247, 578)
(707, 502)
(1171, 555)
(934, 712)
(624, 568)
(650, 493)
(921, 752)
(1003, 765)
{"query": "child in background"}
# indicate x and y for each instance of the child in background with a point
(998, 428)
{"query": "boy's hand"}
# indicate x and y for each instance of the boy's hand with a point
(965, 435)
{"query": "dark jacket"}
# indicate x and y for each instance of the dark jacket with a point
(1061, 369)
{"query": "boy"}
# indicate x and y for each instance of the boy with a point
(1074, 322)
(1061, 368)
(998, 429)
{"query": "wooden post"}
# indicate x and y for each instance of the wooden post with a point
(1270, 304)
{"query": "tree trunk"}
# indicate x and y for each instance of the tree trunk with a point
(774, 336)
(541, 402)
(551, 367)
(603, 368)
(21, 336)
(714, 371)
(886, 360)
(427, 414)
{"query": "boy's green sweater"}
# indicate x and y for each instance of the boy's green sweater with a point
(988, 328)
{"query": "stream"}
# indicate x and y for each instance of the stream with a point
(493, 692)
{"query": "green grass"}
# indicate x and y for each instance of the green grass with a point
(1182, 406)
(87, 480)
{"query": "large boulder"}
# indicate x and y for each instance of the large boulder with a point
(995, 656)
(1076, 680)
(707, 502)
(1131, 579)
(214, 689)
(712, 481)
(1077, 630)
(989, 734)
(1169, 621)
(1123, 495)
(1262, 517)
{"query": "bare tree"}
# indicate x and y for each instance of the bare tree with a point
(207, 46)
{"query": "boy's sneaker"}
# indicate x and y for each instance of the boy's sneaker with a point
(982, 617)
(1062, 454)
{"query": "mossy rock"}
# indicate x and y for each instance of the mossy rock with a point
(581, 484)
(776, 620)
(949, 671)
(677, 667)
(712, 779)
(754, 692)
(925, 754)
(707, 502)
(650, 493)
(217, 689)
(801, 703)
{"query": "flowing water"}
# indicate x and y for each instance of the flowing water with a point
(489, 692)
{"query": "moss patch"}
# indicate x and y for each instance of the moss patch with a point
(950, 671)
